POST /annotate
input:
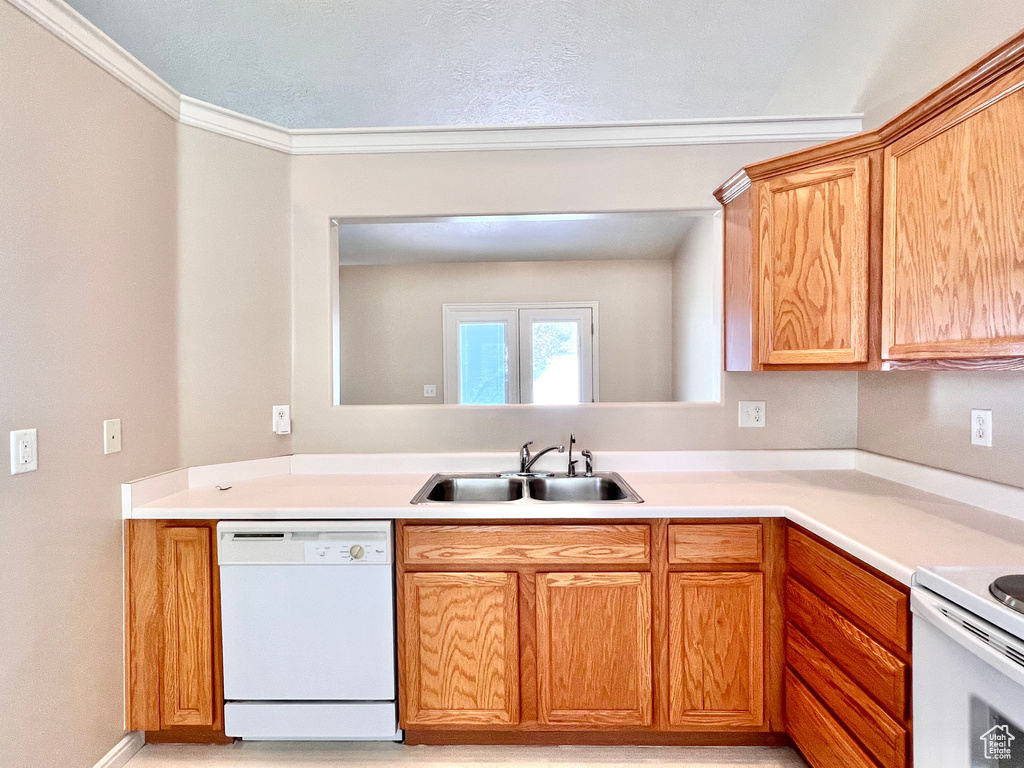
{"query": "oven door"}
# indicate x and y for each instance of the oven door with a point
(968, 688)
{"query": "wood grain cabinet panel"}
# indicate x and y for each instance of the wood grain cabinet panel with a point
(813, 277)
(187, 672)
(461, 649)
(875, 669)
(715, 544)
(883, 737)
(953, 252)
(716, 649)
(594, 649)
(879, 608)
(817, 734)
(510, 545)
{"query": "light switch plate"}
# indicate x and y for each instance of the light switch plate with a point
(753, 413)
(24, 451)
(981, 427)
(112, 436)
(282, 424)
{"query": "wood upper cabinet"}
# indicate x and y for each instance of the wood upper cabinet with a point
(594, 649)
(172, 664)
(716, 649)
(954, 231)
(461, 649)
(813, 244)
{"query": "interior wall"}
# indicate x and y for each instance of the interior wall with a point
(924, 417)
(392, 335)
(87, 264)
(804, 410)
(234, 297)
(697, 312)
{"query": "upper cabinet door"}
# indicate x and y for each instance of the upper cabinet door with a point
(594, 649)
(813, 246)
(461, 640)
(953, 254)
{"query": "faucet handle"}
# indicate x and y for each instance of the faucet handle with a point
(571, 470)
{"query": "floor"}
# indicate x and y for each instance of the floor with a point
(267, 754)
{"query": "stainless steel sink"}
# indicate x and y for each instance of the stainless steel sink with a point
(470, 489)
(606, 486)
(601, 488)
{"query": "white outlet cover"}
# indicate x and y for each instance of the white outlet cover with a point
(753, 413)
(981, 427)
(24, 451)
(112, 436)
(430, 390)
(282, 421)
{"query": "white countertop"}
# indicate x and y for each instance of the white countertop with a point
(890, 526)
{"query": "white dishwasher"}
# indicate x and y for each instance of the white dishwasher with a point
(307, 612)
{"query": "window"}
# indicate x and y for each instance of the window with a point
(528, 353)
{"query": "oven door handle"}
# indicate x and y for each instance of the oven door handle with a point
(930, 608)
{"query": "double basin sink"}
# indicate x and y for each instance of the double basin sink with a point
(600, 488)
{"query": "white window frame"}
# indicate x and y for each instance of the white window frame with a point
(517, 317)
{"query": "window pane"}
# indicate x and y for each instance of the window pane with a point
(556, 363)
(483, 370)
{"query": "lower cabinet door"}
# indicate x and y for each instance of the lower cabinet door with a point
(461, 649)
(594, 649)
(716, 650)
(187, 671)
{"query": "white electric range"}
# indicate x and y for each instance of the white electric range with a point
(968, 647)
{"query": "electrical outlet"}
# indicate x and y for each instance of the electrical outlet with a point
(112, 436)
(753, 413)
(981, 427)
(430, 390)
(24, 451)
(282, 424)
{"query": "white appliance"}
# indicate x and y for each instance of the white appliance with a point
(968, 651)
(307, 611)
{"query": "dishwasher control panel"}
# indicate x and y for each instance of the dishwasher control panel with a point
(346, 552)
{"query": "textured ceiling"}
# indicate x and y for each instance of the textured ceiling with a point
(571, 237)
(404, 63)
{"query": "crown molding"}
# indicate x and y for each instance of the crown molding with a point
(77, 31)
(85, 37)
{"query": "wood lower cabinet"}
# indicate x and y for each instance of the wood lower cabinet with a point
(461, 649)
(594, 649)
(847, 659)
(173, 659)
(716, 649)
(647, 631)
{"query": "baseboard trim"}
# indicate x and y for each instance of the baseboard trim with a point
(124, 750)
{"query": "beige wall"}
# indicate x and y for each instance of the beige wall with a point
(697, 312)
(924, 416)
(234, 297)
(87, 269)
(392, 337)
(804, 411)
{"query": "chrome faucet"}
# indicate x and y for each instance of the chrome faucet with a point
(571, 469)
(589, 457)
(526, 461)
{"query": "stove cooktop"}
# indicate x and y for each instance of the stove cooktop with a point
(1009, 590)
(972, 588)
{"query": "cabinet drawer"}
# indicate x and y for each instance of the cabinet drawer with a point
(874, 605)
(870, 665)
(822, 740)
(526, 544)
(726, 544)
(883, 737)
